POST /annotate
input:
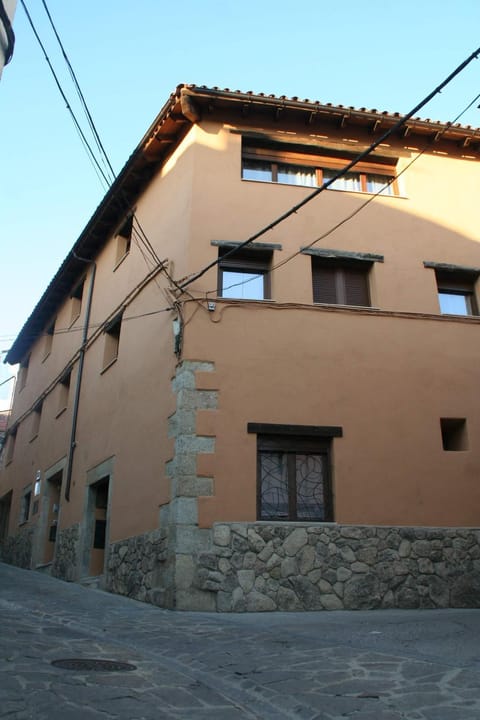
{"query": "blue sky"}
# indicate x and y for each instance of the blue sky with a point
(129, 56)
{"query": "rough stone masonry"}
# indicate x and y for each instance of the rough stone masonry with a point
(256, 567)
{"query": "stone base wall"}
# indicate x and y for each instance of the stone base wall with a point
(17, 549)
(135, 565)
(66, 561)
(260, 567)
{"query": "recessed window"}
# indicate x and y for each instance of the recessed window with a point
(36, 417)
(293, 472)
(454, 434)
(112, 341)
(11, 440)
(63, 392)
(302, 165)
(25, 506)
(340, 282)
(456, 292)
(293, 479)
(244, 275)
(76, 300)
(49, 333)
(124, 240)
(23, 373)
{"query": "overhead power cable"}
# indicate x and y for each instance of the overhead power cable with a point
(336, 175)
(83, 138)
(91, 123)
(145, 246)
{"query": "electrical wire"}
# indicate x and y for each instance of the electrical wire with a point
(336, 175)
(91, 123)
(141, 237)
(80, 132)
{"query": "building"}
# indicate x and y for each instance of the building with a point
(7, 36)
(293, 425)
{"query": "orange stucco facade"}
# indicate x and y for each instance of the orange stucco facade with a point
(161, 443)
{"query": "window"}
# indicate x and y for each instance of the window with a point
(76, 298)
(456, 292)
(293, 472)
(36, 417)
(63, 392)
(124, 239)
(22, 373)
(288, 164)
(454, 433)
(25, 506)
(11, 440)
(244, 275)
(49, 333)
(339, 281)
(112, 341)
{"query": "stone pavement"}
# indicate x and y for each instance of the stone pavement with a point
(377, 665)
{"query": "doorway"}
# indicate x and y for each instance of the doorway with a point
(53, 492)
(98, 506)
(5, 507)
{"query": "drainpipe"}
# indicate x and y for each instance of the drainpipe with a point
(81, 361)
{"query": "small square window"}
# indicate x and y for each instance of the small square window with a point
(454, 434)
(340, 282)
(112, 341)
(244, 275)
(456, 292)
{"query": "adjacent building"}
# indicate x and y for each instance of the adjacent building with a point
(288, 424)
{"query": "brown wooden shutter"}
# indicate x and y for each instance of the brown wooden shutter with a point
(324, 286)
(247, 260)
(356, 286)
(338, 283)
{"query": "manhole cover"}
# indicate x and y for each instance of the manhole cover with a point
(93, 665)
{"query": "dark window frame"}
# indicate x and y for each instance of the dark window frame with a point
(272, 157)
(341, 281)
(456, 284)
(250, 261)
(290, 441)
(456, 280)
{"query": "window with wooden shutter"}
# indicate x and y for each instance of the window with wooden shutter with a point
(337, 282)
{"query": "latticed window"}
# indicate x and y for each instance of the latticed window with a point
(294, 478)
(339, 282)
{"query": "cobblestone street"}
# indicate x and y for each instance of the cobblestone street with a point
(378, 665)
